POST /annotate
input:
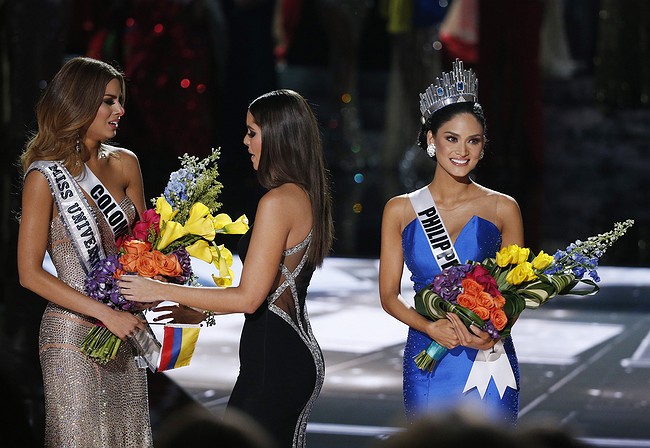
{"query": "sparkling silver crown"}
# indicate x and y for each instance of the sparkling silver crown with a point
(456, 86)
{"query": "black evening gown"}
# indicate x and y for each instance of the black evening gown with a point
(281, 365)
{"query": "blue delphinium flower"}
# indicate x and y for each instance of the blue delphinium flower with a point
(581, 257)
(176, 190)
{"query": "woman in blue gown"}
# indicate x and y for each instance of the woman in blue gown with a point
(478, 222)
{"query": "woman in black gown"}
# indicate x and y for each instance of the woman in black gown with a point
(282, 368)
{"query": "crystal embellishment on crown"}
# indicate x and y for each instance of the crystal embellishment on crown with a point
(456, 86)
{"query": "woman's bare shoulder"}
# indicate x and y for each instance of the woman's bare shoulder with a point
(115, 154)
(500, 198)
(285, 198)
(398, 212)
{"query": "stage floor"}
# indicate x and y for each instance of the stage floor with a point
(585, 362)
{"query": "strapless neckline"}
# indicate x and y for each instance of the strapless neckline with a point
(463, 230)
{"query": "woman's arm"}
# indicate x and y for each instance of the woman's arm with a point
(391, 264)
(37, 204)
(280, 218)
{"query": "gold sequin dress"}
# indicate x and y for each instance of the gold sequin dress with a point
(87, 404)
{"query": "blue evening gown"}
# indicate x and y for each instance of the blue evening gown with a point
(442, 390)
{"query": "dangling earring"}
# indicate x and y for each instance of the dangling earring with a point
(77, 146)
(431, 150)
(482, 154)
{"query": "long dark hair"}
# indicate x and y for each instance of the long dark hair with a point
(66, 110)
(292, 153)
(445, 114)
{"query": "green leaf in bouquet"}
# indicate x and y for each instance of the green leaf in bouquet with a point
(466, 315)
(514, 304)
(428, 303)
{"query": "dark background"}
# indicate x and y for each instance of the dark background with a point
(564, 84)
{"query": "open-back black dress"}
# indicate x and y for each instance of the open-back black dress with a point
(281, 365)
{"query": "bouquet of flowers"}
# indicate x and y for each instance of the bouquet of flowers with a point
(184, 223)
(491, 294)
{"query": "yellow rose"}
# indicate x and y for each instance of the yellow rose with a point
(521, 273)
(518, 254)
(527, 267)
(522, 255)
(542, 261)
(503, 257)
(516, 276)
(513, 250)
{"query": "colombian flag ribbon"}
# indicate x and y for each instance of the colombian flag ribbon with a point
(179, 341)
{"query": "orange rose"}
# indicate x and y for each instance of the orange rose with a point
(499, 301)
(499, 319)
(118, 273)
(146, 265)
(167, 265)
(129, 262)
(466, 300)
(471, 287)
(136, 247)
(482, 312)
(485, 300)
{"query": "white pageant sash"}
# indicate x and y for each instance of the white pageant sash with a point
(439, 241)
(115, 216)
(75, 212)
(488, 364)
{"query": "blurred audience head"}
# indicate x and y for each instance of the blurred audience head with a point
(461, 428)
(456, 429)
(192, 426)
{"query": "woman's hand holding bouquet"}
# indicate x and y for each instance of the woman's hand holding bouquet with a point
(490, 295)
(184, 223)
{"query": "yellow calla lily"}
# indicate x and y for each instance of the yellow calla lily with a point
(238, 227)
(222, 261)
(225, 253)
(169, 233)
(202, 250)
(220, 221)
(224, 281)
(164, 210)
(224, 224)
(200, 222)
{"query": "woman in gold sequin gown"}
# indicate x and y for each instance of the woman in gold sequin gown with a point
(281, 364)
(86, 404)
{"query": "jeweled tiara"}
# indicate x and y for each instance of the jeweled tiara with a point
(456, 86)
